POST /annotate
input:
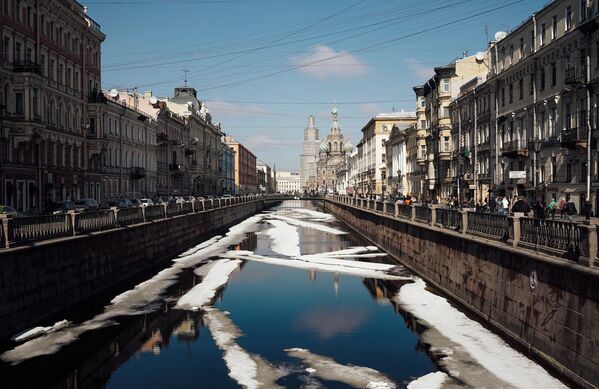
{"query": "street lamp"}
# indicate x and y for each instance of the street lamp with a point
(536, 144)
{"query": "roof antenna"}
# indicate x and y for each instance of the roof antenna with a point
(186, 71)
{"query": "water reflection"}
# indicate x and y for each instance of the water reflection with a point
(272, 309)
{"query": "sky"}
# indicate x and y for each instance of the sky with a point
(263, 66)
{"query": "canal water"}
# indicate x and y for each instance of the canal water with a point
(288, 298)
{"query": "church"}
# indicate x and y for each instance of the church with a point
(331, 156)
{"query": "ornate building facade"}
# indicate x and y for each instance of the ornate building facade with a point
(331, 156)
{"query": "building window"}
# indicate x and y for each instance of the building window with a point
(445, 85)
(6, 7)
(553, 74)
(532, 41)
(521, 48)
(7, 49)
(511, 93)
(521, 88)
(35, 101)
(511, 54)
(19, 104)
(554, 27)
(583, 60)
(531, 84)
(542, 78)
(568, 172)
(446, 145)
(503, 96)
(583, 10)
(552, 121)
(542, 37)
(542, 125)
(568, 20)
(422, 102)
(582, 118)
(568, 117)
(597, 52)
(29, 17)
(553, 169)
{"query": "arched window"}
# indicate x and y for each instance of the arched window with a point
(59, 115)
(335, 146)
(6, 96)
(68, 121)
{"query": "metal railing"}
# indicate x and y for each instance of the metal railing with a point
(405, 211)
(390, 208)
(154, 212)
(489, 225)
(173, 210)
(449, 218)
(564, 236)
(423, 214)
(378, 206)
(128, 216)
(187, 208)
(94, 221)
(33, 228)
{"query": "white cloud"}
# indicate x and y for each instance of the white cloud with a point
(220, 109)
(324, 62)
(422, 71)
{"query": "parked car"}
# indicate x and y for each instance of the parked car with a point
(158, 201)
(136, 202)
(120, 203)
(146, 202)
(6, 210)
(62, 207)
(176, 200)
(86, 205)
(226, 196)
(189, 199)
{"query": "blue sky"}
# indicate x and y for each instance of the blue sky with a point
(263, 66)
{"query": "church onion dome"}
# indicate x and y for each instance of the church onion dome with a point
(324, 147)
(348, 147)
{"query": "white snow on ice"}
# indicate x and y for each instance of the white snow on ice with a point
(38, 331)
(327, 369)
(307, 224)
(430, 381)
(484, 346)
(285, 238)
(203, 293)
(314, 215)
(354, 268)
(249, 370)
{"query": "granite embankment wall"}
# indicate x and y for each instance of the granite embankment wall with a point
(42, 279)
(546, 305)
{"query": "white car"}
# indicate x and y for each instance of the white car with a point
(146, 202)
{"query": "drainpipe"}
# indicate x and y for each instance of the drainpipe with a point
(496, 120)
(475, 166)
(589, 128)
(459, 148)
(121, 152)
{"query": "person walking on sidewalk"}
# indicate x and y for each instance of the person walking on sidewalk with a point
(570, 208)
(552, 207)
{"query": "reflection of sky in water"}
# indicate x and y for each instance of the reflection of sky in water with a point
(278, 308)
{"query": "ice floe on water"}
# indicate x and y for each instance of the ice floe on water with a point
(248, 370)
(327, 369)
(355, 268)
(430, 381)
(313, 215)
(143, 298)
(510, 367)
(38, 331)
(284, 237)
(307, 224)
(203, 293)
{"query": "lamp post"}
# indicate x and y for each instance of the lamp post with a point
(536, 144)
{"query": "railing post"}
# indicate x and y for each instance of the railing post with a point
(384, 206)
(396, 213)
(70, 218)
(5, 221)
(413, 217)
(515, 229)
(143, 214)
(464, 216)
(434, 215)
(588, 244)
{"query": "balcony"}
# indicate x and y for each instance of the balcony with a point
(138, 172)
(27, 67)
(574, 138)
(575, 75)
(445, 155)
(515, 148)
(421, 159)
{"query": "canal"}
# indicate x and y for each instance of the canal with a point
(288, 298)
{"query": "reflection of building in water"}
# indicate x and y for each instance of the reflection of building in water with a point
(336, 283)
(187, 329)
(153, 344)
(312, 275)
(315, 241)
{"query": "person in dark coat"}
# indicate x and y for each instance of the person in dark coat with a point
(521, 206)
(492, 204)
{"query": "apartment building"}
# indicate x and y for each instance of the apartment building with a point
(246, 181)
(50, 63)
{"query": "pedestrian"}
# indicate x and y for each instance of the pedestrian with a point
(505, 204)
(570, 208)
(540, 211)
(521, 205)
(587, 210)
(562, 207)
(492, 204)
(552, 207)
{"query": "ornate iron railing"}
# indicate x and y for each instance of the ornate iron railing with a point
(490, 225)
(423, 214)
(186, 208)
(378, 206)
(94, 221)
(390, 208)
(154, 212)
(564, 236)
(449, 218)
(405, 211)
(173, 210)
(127, 216)
(32, 228)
